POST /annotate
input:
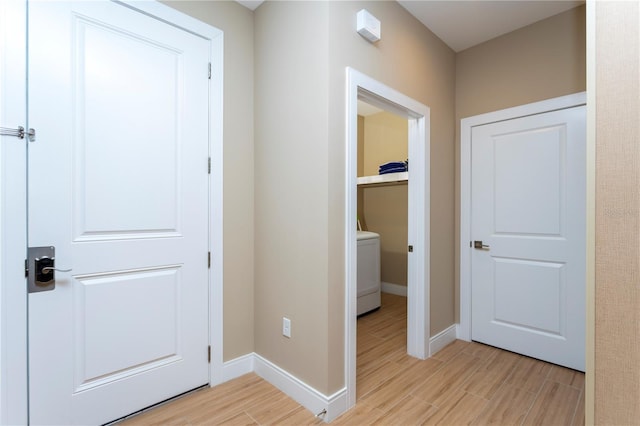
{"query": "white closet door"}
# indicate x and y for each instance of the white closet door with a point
(528, 208)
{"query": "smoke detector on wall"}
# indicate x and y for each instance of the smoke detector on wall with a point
(368, 26)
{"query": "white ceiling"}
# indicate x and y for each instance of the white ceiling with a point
(463, 24)
(250, 4)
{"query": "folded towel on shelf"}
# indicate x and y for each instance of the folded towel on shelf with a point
(393, 167)
(396, 170)
(393, 163)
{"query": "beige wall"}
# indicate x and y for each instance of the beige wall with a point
(291, 247)
(385, 208)
(385, 139)
(386, 212)
(237, 23)
(617, 294)
(302, 49)
(410, 59)
(541, 61)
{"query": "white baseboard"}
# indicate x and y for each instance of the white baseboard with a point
(442, 339)
(397, 289)
(296, 389)
(238, 367)
(462, 335)
(305, 395)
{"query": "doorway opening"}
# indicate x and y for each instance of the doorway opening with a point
(382, 240)
(363, 88)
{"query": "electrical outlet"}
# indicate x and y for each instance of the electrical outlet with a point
(286, 327)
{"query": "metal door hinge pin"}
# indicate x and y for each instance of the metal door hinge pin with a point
(18, 132)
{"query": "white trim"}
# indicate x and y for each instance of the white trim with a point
(351, 291)
(442, 339)
(216, 151)
(397, 289)
(171, 16)
(466, 126)
(305, 395)
(533, 108)
(13, 215)
(361, 86)
(238, 367)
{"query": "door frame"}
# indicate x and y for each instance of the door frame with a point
(13, 206)
(361, 86)
(466, 127)
(13, 215)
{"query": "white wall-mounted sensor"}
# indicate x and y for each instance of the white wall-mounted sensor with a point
(368, 26)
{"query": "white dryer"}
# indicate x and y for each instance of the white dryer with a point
(368, 271)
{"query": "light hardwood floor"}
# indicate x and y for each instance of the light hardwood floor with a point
(465, 383)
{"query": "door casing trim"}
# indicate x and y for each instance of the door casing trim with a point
(466, 126)
(361, 86)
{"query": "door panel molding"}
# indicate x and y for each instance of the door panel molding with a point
(466, 126)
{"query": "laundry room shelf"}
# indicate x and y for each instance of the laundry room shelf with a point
(380, 180)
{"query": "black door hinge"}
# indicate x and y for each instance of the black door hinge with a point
(209, 354)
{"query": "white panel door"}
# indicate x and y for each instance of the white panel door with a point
(118, 183)
(528, 191)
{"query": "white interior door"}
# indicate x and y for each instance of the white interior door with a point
(528, 186)
(118, 183)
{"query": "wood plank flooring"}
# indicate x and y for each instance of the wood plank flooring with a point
(463, 384)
